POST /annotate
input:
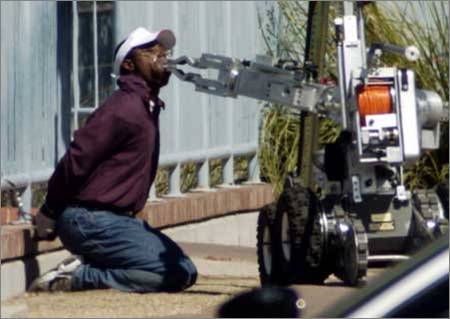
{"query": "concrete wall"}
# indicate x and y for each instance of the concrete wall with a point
(234, 230)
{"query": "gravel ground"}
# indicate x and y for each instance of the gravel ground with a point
(224, 272)
(201, 300)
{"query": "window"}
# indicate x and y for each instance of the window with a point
(92, 63)
(89, 56)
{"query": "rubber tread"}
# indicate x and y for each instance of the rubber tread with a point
(362, 248)
(265, 219)
(308, 262)
(426, 202)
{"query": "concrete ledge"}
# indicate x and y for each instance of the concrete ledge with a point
(10, 214)
(204, 205)
(17, 240)
(237, 230)
(7, 215)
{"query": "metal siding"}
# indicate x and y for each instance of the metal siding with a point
(246, 110)
(28, 88)
(200, 27)
(218, 106)
(5, 96)
(163, 17)
(35, 72)
(129, 15)
(189, 102)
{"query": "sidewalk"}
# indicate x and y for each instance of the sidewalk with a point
(224, 271)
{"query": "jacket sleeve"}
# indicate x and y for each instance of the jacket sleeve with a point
(92, 144)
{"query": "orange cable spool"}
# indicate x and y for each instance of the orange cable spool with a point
(372, 100)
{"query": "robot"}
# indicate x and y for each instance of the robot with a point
(356, 207)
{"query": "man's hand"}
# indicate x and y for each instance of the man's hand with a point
(45, 227)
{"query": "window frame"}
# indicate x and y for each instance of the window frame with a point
(79, 113)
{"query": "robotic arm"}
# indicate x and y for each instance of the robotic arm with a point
(391, 121)
(259, 80)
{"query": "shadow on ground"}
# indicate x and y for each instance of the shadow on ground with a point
(200, 300)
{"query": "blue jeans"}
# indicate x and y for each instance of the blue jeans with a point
(123, 253)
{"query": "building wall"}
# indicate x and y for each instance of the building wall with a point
(29, 86)
(42, 79)
(196, 121)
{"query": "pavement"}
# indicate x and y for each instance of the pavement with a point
(224, 272)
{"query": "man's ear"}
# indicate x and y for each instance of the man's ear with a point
(128, 65)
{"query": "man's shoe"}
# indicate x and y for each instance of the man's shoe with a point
(58, 278)
(62, 282)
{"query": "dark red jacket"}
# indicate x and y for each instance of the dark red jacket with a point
(113, 158)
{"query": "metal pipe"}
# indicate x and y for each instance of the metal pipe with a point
(24, 179)
(216, 153)
(174, 174)
(411, 53)
(94, 21)
(83, 110)
(228, 167)
(253, 170)
(76, 80)
(203, 171)
(378, 258)
(348, 8)
(152, 194)
(341, 79)
(175, 181)
(362, 35)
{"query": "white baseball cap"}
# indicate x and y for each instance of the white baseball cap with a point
(139, 37)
